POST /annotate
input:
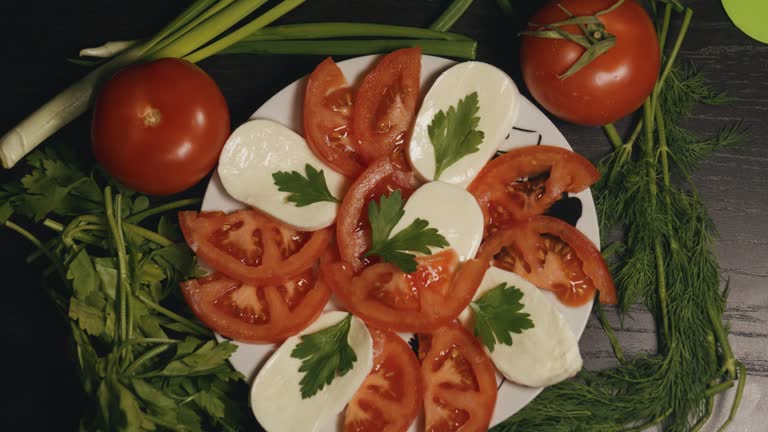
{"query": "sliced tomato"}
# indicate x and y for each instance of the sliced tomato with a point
(386, 297)
(390, 397)
(385, 104)
(525, 182)
(248, 246)
(256, 312)
(459, 381)
(328, 119)
(552, 255)
(353, 231)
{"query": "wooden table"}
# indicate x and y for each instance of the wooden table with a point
(39, 379)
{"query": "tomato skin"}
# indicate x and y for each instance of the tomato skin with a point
(328, 119)
(458, 397)
(385, 104)
(567, 172)
(614, 85)
(227, 243)
(390, 398)
(159, 127)
(385, 297)
(352, 230)
(528, 239)
(205, 295)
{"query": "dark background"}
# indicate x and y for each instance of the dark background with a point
(38, 381)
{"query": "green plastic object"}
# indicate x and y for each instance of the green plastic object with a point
(750, 16)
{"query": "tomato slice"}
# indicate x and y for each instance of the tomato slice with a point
(385, 104)
(386, 297)
(390, 397)
(328, 119)
(256, 312)
(552, 255)
(353, 231)
(525, 182)
(459, 381)
(248, 246)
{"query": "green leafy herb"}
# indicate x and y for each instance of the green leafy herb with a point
(302, 190)
(416, 237)
(498, 315)
(325, 354)
(144, 365)
(454, 134)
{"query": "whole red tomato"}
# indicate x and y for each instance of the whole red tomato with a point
(613, 85)
(159, 127)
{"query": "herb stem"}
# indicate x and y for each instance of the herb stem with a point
(651, 423)
(729, 360)
(40, 246)
(737, 397)
(719, 388)
(704, 417)
(675, 49)
(617, 350)
(665, 27)
(194, 328)
(148, 235)
(613, 135)
(140, 216)
(122, 264)
(635, 134)
(154, 352)
(448, 18)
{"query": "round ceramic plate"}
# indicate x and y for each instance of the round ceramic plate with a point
(531, 128)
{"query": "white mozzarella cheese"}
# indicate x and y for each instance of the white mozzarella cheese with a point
(453, 211)
(260, 148)
(499, 103)
(276, 396)
(543, 355)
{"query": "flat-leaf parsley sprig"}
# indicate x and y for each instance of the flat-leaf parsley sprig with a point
(325, 354)
(454, 134)
(302, 190)
(416, 237)
(498, 314)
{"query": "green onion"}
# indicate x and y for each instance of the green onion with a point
(449, 17)
(331, 30)
(458, 49)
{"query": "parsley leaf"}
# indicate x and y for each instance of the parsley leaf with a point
(324, 354)
(304, 191)
(416, 237)
(454, 134)
(498, 315)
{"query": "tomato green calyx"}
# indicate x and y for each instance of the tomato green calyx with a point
(152, 117)
(595, 38)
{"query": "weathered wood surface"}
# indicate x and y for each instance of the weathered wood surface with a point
(38, 36)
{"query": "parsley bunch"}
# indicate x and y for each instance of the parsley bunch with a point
(115, 263)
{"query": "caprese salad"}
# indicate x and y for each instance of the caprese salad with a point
(396, 207)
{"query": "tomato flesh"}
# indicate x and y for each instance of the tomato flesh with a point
(248, 246)
(525, 182)
(353, 232)
(385, 105)
(390, 397)
(328, 119)
(613, 85)
(554, 256)
(159, 127)
(255, 313)
(386, 297)
(459, 381)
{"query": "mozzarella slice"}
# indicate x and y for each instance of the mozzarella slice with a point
(260, 148)
(452, 210)
(543, 355)
(276, 396)
(498, 101)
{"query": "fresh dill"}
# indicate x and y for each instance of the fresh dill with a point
(665, 261)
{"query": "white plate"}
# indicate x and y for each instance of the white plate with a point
(532, 127)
